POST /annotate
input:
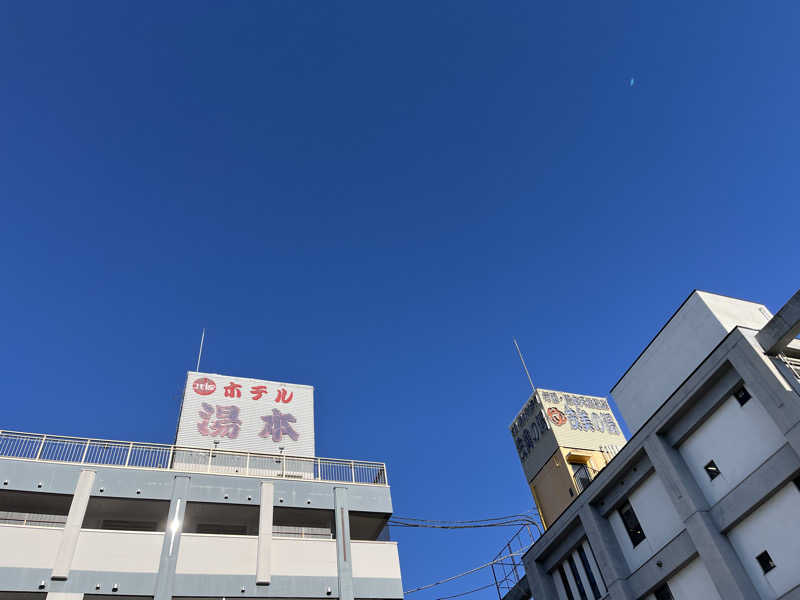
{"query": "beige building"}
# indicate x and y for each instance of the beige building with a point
(563, 441)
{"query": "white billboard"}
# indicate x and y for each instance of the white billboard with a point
(247, 415)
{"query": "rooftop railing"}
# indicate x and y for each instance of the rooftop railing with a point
(135, 455)
(793, 363)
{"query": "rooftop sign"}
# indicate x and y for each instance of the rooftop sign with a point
(248, 415)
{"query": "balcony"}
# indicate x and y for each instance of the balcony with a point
(135, 455)
(199, 554)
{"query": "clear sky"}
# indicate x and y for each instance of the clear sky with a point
(373, 198)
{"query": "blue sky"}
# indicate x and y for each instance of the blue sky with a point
(374, 198)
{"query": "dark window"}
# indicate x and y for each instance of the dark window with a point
(220, 529)
(576, 576)
(742, 395)
(765, 560)
(119, 525)
(712, 470)
(565, 582)
(632, 526)
(797, 483)
(589, 573)
(662, 592)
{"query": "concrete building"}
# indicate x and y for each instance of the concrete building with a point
(112, 519)
(563, 440)
(703, 501)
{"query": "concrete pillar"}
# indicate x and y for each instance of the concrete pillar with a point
(165, 579)
(714, 548)
(607, 553)
(769, 387)
(264, 555)
(540, 581)
(344, 555)
(72, 528)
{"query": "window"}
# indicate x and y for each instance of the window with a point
(742, 395)
(580, 472)
(712, 470)
(663, 592)
(765, 561)
(565, 583)
(589, 573)
(577, 577)
(631, 522)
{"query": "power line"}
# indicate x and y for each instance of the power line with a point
(440, 582)
(483, 587)
(522, 515)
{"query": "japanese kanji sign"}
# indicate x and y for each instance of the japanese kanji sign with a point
(550, 419)
(247, 415)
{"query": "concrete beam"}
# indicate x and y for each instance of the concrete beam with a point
(678, 552)
(72, 528)
(757, 488)
(165, 580)
(344, 553)
(607, 553)
(714, 548)
(540, 582)
(782, 328)
(264, 554)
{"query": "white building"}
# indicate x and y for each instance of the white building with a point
(703, 501)
(117, 519)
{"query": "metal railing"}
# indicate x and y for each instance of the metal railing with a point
(793, 364)
(136, 455)
(583, 476)
(507, 567)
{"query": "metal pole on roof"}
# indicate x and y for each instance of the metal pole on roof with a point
(200, 354)
(524, 366)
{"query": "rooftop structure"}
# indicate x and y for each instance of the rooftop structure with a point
(128, 519)
(704, 499)
(563, 441)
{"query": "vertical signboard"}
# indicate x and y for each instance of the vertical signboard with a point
(247, 415)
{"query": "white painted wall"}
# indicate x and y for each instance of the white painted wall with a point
(774, 527)
(375, 559)
(120, 551)
(689, 337)
(692, 583)
(658, 519)
(737, 438)
(28, 547)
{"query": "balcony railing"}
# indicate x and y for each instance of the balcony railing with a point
(793, 364)
(135, 455)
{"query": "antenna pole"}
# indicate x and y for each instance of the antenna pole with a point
(200, 354)
(524, 366)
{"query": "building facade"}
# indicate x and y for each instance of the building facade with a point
(703, 502)
(563, 440)
(113, 519)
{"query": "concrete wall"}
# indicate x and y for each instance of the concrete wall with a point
(774, 527)
(692, 583)
(737, 438)
(119, 551)
(657, 516)
(376, 559)
(28, 546)
(686, 340)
